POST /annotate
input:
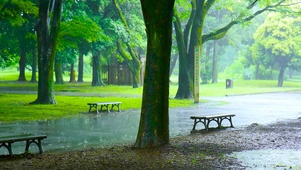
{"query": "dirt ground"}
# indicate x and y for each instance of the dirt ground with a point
(208, 150)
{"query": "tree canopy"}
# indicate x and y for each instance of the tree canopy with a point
(277, 41)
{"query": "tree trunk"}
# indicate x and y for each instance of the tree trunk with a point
(280, 77)
(154, 120)
(22, 64)
(184, 77)
(96, 73)
(47, 42)
(214, 63)
(195, 26)
(34, 66)
(283, 64)
(58, 72)
(173, 62)
(72, 74)
(80, 67)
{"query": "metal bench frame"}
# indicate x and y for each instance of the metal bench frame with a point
(8, 140)
(104, 105)
(207, 119)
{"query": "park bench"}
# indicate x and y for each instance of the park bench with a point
(209, 118)
(104, 105)
(6, 141)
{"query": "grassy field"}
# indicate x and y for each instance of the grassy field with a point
(16, 107)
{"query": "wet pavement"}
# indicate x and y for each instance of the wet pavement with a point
(91, 130)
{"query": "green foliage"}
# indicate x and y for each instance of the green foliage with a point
(277, 44)
(14, 10)
(280, 35)
(77, 29)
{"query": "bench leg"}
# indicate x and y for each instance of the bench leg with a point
(118, 107)
(8, 147)
(90, 108)
(206, 124)
(39, 144)
(106, 106)
(196, 121)
(93, 105)
(230, 119)
(194, 125)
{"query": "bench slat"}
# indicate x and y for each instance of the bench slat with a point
(212, 116)
(20, 138)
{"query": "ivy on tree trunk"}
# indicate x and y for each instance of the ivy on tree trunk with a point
(154, 121)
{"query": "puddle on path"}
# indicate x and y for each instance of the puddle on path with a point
(269, 159)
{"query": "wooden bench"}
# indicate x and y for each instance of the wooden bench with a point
(6, 141)
(104, 105)
(207, 119)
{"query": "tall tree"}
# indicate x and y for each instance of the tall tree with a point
(47, 31)
(154, 120)
(277, 40)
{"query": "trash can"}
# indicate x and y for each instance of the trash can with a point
(229, 83)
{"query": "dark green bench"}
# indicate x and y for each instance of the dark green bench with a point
(209, 118)
(104, 105)
(6, 141)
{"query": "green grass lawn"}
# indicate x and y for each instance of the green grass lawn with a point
(16, 107)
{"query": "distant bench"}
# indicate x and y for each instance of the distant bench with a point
(104, 105)
(6, 141)
(207, 119)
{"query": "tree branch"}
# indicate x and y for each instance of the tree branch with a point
(220, 33)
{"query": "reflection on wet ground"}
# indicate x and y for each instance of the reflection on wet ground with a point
(270, 159)
(91, 130)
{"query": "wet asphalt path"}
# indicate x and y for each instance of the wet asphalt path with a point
(256, 108)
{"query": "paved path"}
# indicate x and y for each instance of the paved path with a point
(258, 108)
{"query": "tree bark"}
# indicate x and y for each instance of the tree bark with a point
(80, 67)
(34, 66)
(58, 72)
(47, 41)
(22, 64)
(96, 73)
(282, 64)
(154, 120)
(173, 62)
(184, 76)
(280, 77)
